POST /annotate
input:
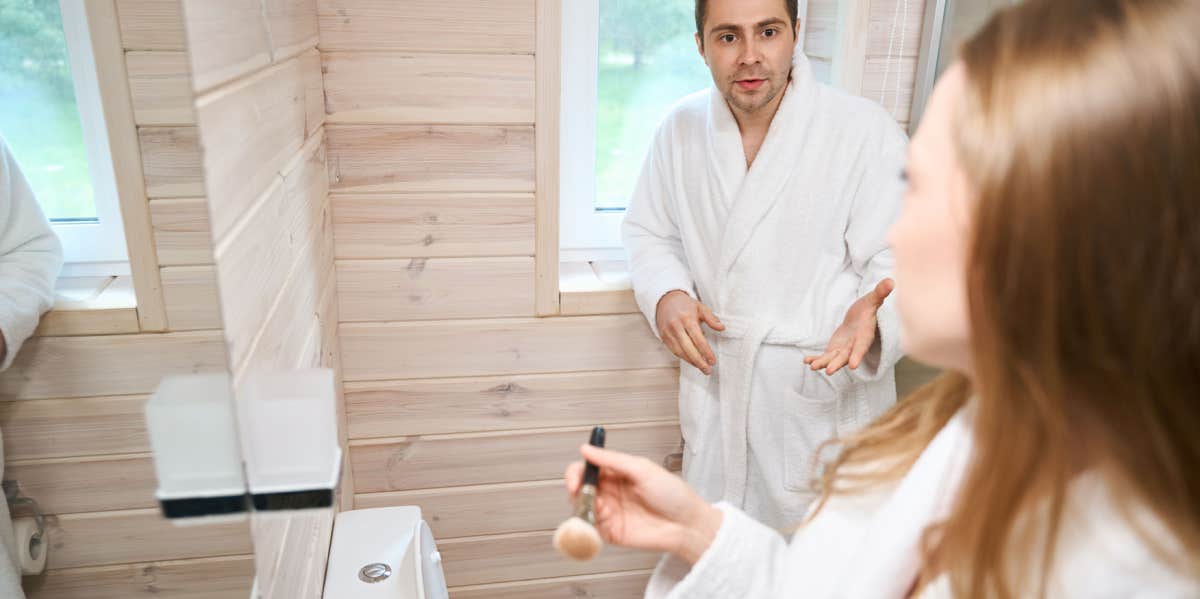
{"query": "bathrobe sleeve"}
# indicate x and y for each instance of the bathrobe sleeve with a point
(30, 258)
(875, 206)
(747, 560)
(657, 262)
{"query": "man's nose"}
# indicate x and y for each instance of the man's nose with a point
(750, 53)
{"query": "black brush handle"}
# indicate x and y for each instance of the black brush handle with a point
(591, 473)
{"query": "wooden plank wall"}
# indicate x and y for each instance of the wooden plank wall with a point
(892, 49)
(458, 399)
(71, 408)
(261, 112)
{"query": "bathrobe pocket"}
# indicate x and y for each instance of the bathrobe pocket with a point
(810, 419)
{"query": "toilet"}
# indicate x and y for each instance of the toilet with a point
(384, 553)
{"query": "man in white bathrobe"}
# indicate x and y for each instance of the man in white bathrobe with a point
(30, 258)
(757, 252)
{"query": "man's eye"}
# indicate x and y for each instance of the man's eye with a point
(728, 38)
(770, 32)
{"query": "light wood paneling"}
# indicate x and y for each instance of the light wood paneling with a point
(433, 225)
(161, 88)
(254, 128)
(610, 585)
(172, 162)
(301, 557)
(74, 485)
(291, 26)
(896, 74)
(598, 302)
(80, 540)
(227, 39)
(126, 155)
(491, 26)
(191, 296)
(549, 84)
(365, 158)
(151, 24)
(431, 289)
(181, 232)
(297, 333)
(314, 91)
(105, 321)
(52, 428)
(281, 234)
(891, 31)
(57, 367)
(474, 459)
(523, 556)
(395, 408)
(223, 577)
(374, 351)
(378, 87)
(482, 510)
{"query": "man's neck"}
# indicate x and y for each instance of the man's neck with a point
(755, 125)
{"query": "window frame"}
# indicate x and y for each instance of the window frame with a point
(91, 248)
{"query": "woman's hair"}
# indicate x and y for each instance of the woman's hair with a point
(1079, 133)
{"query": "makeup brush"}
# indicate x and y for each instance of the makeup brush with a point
(576, 537)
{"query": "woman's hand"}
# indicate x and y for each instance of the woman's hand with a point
(643, 506)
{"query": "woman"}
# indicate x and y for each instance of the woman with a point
(1047, 256)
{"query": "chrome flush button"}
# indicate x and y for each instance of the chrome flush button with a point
(372, 573)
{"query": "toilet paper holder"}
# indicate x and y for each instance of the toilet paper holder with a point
(12, 494)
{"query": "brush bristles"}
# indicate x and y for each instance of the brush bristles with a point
(577, 539)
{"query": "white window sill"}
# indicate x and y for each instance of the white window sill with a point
(593, 288)
(91, 305)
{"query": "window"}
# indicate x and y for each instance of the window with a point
(624, 64)
(52, 119)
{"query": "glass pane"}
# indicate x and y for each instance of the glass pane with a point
(647, 62)
(963, 19)
(38, 114)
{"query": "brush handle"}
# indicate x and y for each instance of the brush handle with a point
(591, 473)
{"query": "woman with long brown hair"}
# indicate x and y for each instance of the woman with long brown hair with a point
(1048, 258)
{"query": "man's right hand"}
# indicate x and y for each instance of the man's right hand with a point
(678, 317)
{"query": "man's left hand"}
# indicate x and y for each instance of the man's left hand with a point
(854, 338)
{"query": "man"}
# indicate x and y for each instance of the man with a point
(30, 258)
(760, 216)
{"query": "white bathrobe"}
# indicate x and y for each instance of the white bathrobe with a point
(30, 258)
(868, 546)
(779, 253)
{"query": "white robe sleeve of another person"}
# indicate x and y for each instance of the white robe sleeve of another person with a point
(30, 258)
(779, 251)
(870, 546)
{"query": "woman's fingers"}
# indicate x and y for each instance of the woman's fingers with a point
(574, 479)
(631, 467)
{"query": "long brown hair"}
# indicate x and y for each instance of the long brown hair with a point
(1080, 135)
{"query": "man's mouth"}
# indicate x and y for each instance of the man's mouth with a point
(750, 85)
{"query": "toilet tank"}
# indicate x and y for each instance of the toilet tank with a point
(383, 553)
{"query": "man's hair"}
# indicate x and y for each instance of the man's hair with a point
(793, 10)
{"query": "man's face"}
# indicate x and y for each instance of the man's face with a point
(748, 45)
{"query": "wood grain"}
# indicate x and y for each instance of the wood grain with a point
(433, 225)
(382, 351)
(365, 158)
(224, 577)
(440, 406)
(480, 26)
(182, 235)
(391, 88)
(190, 293)
(95, 366)
(89, 426)
(409, 463)
(432, 289)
